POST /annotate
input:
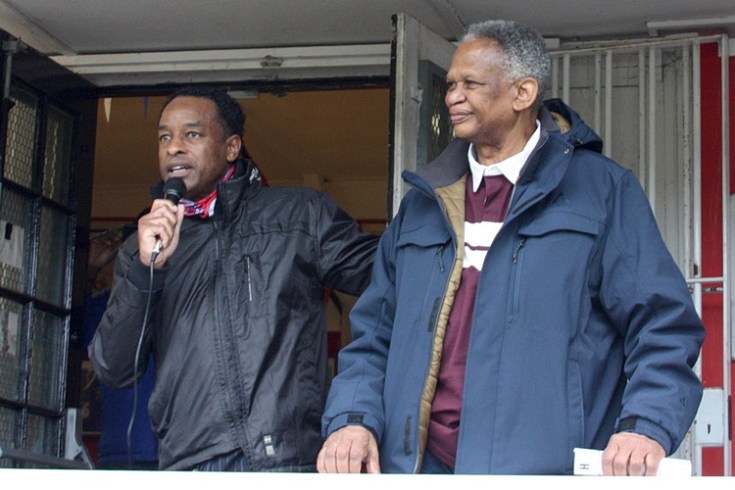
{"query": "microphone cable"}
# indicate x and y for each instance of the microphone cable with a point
(138, 349)
(173, 189)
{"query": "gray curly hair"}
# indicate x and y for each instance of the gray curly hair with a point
(524, 51)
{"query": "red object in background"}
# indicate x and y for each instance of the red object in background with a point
(712, 239)
(334, 343)
(91, 443)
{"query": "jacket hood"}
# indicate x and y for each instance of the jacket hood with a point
(574, 130)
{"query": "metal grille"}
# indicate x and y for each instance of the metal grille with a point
(442, 132)
(14, 223)
(50, 282)
(643, 98)
(42, 435)
(21, 138)
(37, 212)
(7, 433)
(10, 349)
(47, 355)
(637, 98)
(435, 128)
(57, 160)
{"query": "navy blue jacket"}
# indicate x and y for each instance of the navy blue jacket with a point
(583, 325)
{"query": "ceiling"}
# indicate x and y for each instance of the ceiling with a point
(144, 42)
(115, 41)
(72, 27)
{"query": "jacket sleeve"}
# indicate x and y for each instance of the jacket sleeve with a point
(647, 299)
(356, 394)
(345, 255)
(113, 349)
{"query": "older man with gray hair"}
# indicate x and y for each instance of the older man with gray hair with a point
(523, 302)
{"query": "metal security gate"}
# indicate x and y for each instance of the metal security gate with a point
(38, 226)
(645, 99)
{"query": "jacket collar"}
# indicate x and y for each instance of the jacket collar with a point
(247, 180)
(541, 174)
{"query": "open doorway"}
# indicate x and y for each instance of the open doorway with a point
(333, 140)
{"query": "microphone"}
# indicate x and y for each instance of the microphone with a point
(173, 190)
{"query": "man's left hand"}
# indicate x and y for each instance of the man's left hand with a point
(628, 453)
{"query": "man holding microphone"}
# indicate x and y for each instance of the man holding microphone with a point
(226, 289)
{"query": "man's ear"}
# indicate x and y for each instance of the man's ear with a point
(234, 142)
(527, 91)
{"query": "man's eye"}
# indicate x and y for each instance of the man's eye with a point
(451, 85)
(164, 137)
(192, 134)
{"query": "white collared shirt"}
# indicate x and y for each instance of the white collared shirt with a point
(480, 236)
(510, 167)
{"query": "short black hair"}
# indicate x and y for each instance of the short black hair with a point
(229, 111)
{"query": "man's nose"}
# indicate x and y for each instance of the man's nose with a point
(454, 95)
(175, 145)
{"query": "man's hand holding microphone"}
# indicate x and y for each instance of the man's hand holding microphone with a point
(158, 231)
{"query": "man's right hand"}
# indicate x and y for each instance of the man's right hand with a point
(163, 223)
(351, 449)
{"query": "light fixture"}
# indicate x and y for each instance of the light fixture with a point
(269, 61)
(726, 23)
(243, 94)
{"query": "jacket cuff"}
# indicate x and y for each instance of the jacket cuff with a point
(649, 429)
(140, 276)
(353, 418)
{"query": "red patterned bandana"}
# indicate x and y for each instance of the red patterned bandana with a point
(204, 207)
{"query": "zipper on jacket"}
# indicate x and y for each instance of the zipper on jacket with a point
(513, 212)
(407, 436)
(247, 274)
(437, 301)
(516, 280)
(423, 186)
(434, 313)
(518, 250)
(236, 414)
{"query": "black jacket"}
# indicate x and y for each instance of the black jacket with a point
(237, 324)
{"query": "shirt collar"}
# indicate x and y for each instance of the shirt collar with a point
(510, 167)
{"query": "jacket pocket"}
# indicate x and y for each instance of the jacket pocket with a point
(550, 261)
(424, 261)
(424, 237)
(559, 221)
(252, 279)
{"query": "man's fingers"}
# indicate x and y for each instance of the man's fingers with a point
(372, 465)
(651, 465)
(340, 458)
(637, 464)
(620, 464)
(631, 454)
(354, 459)
(327, 460)
(349, 450)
